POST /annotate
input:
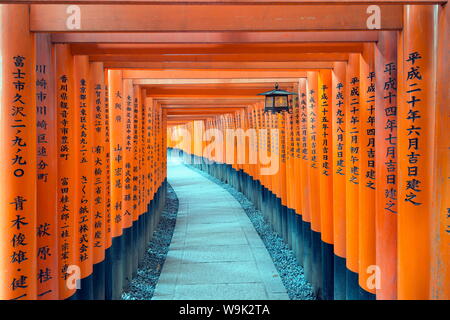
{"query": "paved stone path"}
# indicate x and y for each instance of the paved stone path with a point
(215, 251)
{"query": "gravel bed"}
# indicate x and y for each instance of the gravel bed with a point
(290, 271)
(143, 285)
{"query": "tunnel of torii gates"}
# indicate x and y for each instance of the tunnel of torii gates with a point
(93, 94)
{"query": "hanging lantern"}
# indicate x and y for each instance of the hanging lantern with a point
(277, 100)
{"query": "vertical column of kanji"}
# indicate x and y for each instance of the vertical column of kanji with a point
(339, 180)
(416, 143)
(352, 172)
(115, 93)
(386, 164)
(96, 110)
(325, 152)
(47, 219)
(18, 264)
(84, 194)
(128, 163)
(304, 179)
(67, 169)
(440, 263)
(135, 185)
(366, 220)
(314, 192)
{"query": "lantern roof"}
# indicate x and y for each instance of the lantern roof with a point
(276, 92)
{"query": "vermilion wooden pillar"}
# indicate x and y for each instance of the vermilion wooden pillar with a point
(67, 171)
(100, 186)
(84, 194)
(128, 163)
(325, 158)
(352, 172)
(116, 122)
(135, 180)
(386, 164)
(18, 263)
(304, 171)
(339, 178)
(366, 211)
(416, 150)
(106, 137)
(296, 155)
(314, 191)
(47, 218)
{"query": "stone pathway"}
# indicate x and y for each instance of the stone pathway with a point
(215, 251)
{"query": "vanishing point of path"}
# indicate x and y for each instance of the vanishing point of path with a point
(215, 251)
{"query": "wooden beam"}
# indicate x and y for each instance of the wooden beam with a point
(292, 2)
(199, 106)
(189, 117)
(260, 57)
(279, 65)
(201, 112)
(230, 76)
(219, 101)
(210, 49)
(214, 17)
(222, 80)
(155, 92)
(218, 37)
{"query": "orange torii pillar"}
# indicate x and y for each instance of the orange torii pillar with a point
(339, 179)
(296, 154)
(137, 194)
(137, 221)
(84, 194)
(386, 165)
(325, 158)
(440, 263)
(352, 157)
(290, 177)
(304, 170)
(416, 151)
(106, 137)
(366, 221)
(96, 91)
(281, 125)
(144, 165)
(47, 198)
(69, 270)
(128, 164)
(148, 163)
(314, 170)
(18, 265)
(116, 121)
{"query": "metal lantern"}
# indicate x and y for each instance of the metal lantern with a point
(277, 100)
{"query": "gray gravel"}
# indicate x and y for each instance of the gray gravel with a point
(143, 285)
(290, 271)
